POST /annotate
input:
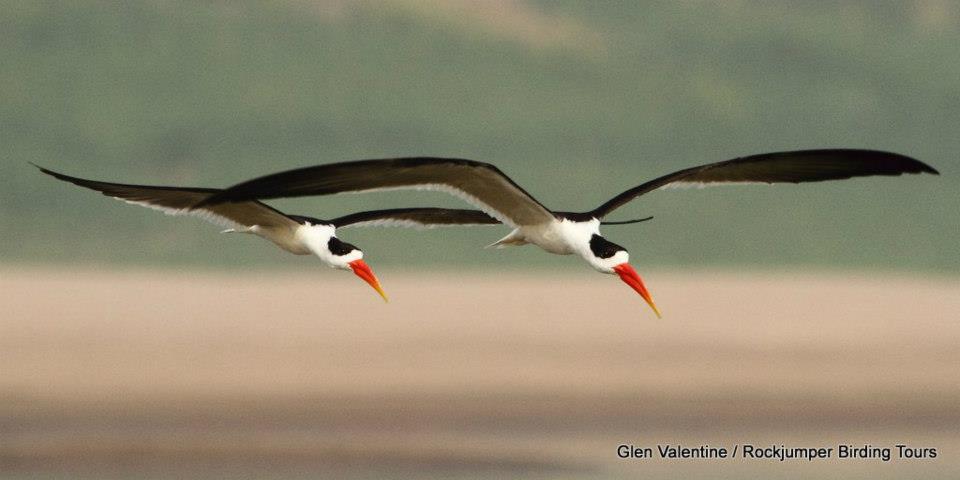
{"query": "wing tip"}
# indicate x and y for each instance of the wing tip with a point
(909, 164)
(924, 168)
(57, 175)
(44, 170)
(895, 163)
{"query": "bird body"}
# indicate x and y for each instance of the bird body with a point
(560, 236)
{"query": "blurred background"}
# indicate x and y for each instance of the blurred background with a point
(577, 101)
(138, 346)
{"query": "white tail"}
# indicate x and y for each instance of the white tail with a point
(252, 229)
(513, 239)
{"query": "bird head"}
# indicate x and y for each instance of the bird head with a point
(608, 257)
(345, 256)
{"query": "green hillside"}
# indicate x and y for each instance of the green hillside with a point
(576, 100)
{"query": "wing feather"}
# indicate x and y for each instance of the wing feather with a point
(480, 184)
(415, 218)
(779, 167)
(251, 216)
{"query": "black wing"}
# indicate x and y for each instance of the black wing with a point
(781, 167)
(415, 217)
(251, 217)
(481, 184)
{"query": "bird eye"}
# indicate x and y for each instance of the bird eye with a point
(602, 248)
(339, 248)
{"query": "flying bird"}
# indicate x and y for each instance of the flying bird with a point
(297, 234)
(564, 233)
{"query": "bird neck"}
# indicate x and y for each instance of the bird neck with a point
(577, 234)
(316, 239)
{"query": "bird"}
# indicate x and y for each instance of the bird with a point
(297, 234)
(485, 186)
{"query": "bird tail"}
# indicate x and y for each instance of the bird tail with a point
(252, 229)
(512, 239)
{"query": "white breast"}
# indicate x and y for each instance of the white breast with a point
(563, 237)
(315, 239)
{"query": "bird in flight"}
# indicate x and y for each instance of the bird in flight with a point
(297, 234)
(563, 233)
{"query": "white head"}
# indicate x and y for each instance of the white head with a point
(322, 241)
(605, 255)
(608, 257)
(339, 254)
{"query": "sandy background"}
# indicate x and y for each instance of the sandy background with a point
(172, 374)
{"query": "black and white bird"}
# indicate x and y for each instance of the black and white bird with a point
(296, 234)
(564, 233)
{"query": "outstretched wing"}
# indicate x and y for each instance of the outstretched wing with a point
(480, 184)
(252, 216)
(415, 218)
(780, 167)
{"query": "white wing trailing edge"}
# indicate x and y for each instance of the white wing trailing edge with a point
(480, 184)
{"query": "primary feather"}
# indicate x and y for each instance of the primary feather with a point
(779, 167)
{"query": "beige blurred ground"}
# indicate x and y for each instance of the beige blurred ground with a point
(173, 374)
